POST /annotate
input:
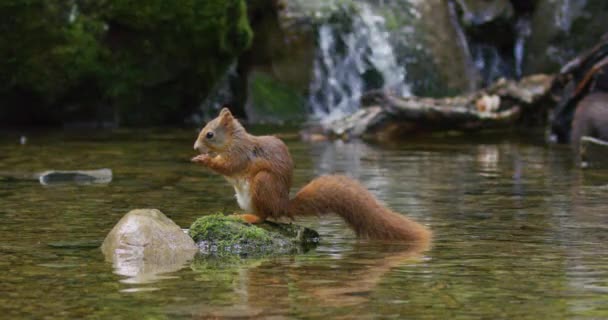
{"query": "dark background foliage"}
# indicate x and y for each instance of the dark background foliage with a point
(120, 61)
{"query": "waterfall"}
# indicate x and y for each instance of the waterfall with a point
(567, 12)
(523, 31)
(350, 59)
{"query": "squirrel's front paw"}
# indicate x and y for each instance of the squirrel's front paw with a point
(202, 159)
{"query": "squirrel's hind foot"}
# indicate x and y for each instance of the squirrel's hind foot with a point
(250, 218)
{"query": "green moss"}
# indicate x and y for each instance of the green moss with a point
(228, 235)
(228, 231)
(240, 36)
(143, 62)
(272, 101)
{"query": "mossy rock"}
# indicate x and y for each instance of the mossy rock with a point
(271, 101)
(220, 235)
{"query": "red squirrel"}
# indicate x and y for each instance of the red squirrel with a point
(260, 169)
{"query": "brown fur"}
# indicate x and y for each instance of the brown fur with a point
(358, 207)
(590, 119)
(266, 164)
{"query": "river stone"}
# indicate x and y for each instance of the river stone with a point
(593, 152)
(219, 235)
(145, 243)
(75, 176)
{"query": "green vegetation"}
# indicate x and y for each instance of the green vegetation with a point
(228, 235)
(272, 101)
(147, 62)
(227, 229)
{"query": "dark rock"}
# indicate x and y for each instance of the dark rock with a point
(61, 176)
(560, 30)
(76, 176)
(594, 152)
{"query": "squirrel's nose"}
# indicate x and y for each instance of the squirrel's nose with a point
(197, 145)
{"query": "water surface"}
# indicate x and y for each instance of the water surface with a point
(520, 232)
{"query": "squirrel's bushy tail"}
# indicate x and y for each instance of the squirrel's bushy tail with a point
(358, 207)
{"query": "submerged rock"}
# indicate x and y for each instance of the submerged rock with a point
(145, 243)
(228, 235)
(75, 244)
(590, 119)
(75, 176)
(61, 176)
(593, 152)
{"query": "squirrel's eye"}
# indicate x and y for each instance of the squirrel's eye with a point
(209, 135)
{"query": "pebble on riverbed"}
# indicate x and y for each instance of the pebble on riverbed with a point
(99, 176)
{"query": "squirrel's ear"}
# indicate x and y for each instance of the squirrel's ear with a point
(225, 111)
(225, 116)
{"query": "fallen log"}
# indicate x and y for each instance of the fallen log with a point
(385, 116)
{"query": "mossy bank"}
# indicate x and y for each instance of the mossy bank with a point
(128, 62)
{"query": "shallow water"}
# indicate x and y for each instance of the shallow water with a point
(520, 232)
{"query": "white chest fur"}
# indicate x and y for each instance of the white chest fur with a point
(243, 193)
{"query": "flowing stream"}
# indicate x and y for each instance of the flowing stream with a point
(350, 60)
(519, 232)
